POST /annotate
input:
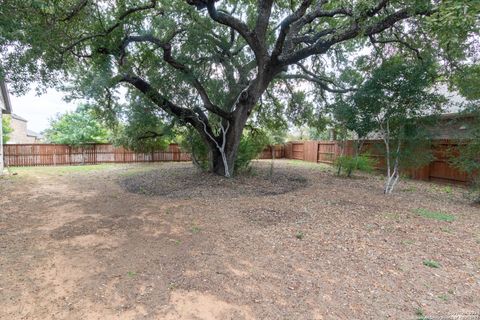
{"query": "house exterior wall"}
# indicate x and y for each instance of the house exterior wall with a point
(19, 133)
(2, 104)
(453, 126)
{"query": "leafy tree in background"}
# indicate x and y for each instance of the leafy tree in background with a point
(215, 65)
(468, 157)
(76, 128)
(6, 128)
(467, 80)
(396, 103)
(143, 129)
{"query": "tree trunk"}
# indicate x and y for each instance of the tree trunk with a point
(222, 156)
(224, 147)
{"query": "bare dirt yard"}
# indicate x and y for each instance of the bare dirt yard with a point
(163, 241)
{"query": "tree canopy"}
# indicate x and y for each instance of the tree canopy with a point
(395, 103)
(467, 157)
(6, 128)
(218, 65)
(76, 128)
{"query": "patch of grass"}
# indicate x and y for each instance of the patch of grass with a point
(133, 170)
(311, 165)
(195, 229)
(442, 189)
(13, 176)
(142, 190)
(62, 169)
(446, 230)
(410, 189)
(431, 263)
(125, 169)
(447, 189)
(436, 215)
(131, 274)
(392, 216)
(299, 235)
(176, 241)
(443, 297)
(419, 312)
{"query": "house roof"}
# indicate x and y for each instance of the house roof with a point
(31, 133)
(453, 126)
(17, 117)
(6, 106)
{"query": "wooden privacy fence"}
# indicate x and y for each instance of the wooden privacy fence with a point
(328, 151)
(278, 151)
(59, 154)
(313, 151)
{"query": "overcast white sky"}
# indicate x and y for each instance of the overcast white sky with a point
(39, 109)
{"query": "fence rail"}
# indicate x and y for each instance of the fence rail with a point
(56, 154)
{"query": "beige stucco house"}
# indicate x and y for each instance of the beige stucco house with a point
(20, 133)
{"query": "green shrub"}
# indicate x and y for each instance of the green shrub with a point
(251, 145)
(349, 164)
(190, 141)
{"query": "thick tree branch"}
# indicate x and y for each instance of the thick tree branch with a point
(167, 57)
(397, 40)
(312, 74)
(239, 26)
(121, 17)
(75, 10)
(319, 12)
(323, 44)
(304, 18)
(187, 115)
(263, 18)
(285, 27)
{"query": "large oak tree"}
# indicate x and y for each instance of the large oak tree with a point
(207, 64)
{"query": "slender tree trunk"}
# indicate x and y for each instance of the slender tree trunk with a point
(393, 174)
(342, 152)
